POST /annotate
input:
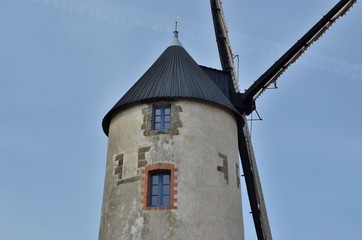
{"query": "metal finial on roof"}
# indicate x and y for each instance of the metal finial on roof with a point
(176, 22)
(175, 41)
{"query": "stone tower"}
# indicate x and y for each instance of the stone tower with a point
(172, 166)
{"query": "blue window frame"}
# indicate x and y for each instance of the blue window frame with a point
(162, 118)
(159, 189)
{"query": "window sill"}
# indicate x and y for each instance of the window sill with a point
(155, 132)
(160, 208)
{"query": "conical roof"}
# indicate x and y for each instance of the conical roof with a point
(175, 74)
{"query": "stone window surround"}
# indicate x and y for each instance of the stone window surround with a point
(145, 191)
(148, 116)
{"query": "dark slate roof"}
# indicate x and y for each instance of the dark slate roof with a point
(174, 75)
(221, 79)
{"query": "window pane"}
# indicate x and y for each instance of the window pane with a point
(168, 125)
(157, 119)
(166, 201)
(158, 111)
(154, 201)
(154, 179)
(154, 190)
(157, 126)
(167, 111)
(167, 119)
(166, 178)
(166, 190)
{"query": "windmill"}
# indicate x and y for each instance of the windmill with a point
(171, 172)
(245, 102)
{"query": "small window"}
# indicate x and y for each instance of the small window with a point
(159, 186)
(162, 118)
(159, 189)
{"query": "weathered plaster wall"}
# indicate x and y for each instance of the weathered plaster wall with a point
(208, 194)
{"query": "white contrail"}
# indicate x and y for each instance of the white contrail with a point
(116, 12)
(109, 11)
(263, 49)
(119, 14)
(92, 8)
(334, 66)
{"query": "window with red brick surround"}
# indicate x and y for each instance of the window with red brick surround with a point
(145, 185)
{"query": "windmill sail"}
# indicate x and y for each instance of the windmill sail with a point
(245, 102)
(253, 184)
(246, 151)
(262, 83)
(223, 43)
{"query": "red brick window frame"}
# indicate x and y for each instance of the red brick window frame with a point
(145, 185)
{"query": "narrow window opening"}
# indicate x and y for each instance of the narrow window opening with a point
(161, 118)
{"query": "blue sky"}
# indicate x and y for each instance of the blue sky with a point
(64, 64)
